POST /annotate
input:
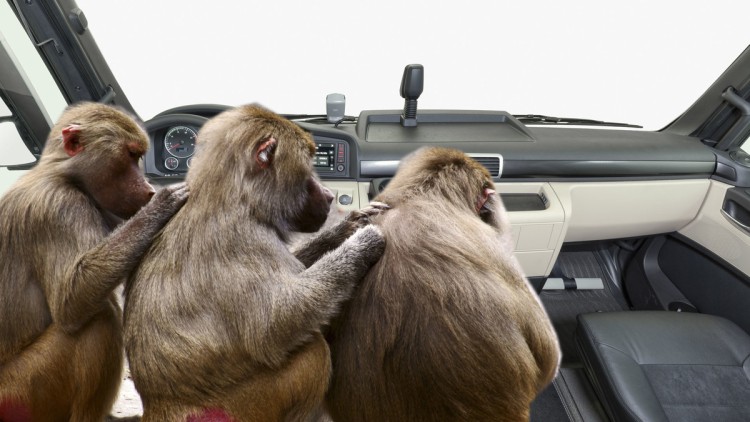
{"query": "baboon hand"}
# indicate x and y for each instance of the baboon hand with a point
(368, 242)
(167, 202)
(363, 217)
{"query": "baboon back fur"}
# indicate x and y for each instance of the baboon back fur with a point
(444, 327)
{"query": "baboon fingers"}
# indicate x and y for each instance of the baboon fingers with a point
(174, 195)
(382, 206)
(364, 216)
(167, 202)
(179, 194)
(375, 208)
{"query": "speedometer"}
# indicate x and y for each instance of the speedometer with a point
(180, 141)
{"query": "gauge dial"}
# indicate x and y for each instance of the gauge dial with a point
(180, 141)
(171, 163)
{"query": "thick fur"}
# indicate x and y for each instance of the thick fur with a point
(222, 321)
(61, 348)
(445, 326)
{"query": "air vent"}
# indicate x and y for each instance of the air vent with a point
(492, 162)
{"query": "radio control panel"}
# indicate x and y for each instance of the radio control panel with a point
(331, 156)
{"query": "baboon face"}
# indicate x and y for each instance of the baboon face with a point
(102, 146)
(122, 189)
(315, 209)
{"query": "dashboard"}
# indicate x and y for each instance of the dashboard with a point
(373, 146)
(559, 184)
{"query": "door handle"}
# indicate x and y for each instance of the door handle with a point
(736, 223)
(736, 208)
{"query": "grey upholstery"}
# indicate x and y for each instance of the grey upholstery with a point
(667, 366)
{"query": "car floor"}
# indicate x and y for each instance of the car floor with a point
(570, 397)
(128, 402)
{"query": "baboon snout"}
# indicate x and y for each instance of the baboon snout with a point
(150, 191)
(327, 194)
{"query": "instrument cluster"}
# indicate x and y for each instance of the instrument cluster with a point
(179, 147)
(173, 144)
(173, 149)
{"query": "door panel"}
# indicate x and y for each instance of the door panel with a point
(714, 273)
(708, 283)
(715, 232)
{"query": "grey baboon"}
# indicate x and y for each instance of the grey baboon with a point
(444, 327)
(222, 321)
(60, 327)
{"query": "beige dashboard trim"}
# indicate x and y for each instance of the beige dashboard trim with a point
(580, 211)
(537, 235)
(612, 210)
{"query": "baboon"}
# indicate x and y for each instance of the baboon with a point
(444, 327)
(61, 353)
(222, 321)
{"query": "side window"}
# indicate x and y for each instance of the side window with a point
(24, 75)
(13, 149)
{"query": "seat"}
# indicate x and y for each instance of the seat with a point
(666, 366)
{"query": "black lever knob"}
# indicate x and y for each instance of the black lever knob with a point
(412, 84)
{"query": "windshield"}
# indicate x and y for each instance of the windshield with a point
(637, 62)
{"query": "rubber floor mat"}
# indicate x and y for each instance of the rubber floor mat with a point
(548, 406)
(564, 305)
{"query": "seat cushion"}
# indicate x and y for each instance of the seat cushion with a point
(667, 366)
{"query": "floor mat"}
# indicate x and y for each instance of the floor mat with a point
(578, 397)
(548, 407)
(564, 305)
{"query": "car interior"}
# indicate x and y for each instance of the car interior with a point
(636, 241)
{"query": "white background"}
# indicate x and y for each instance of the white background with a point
(641, 62)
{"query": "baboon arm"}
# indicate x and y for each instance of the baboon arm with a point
(92, 276)
(309, 301)
(310, 251)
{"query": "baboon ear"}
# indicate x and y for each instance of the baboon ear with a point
(265, 153)
(483, 198)
(70, 138)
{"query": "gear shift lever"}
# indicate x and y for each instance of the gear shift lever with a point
(412, 84)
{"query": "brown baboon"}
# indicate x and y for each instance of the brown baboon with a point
(60, 326)
(444, 327)
(222, 321)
